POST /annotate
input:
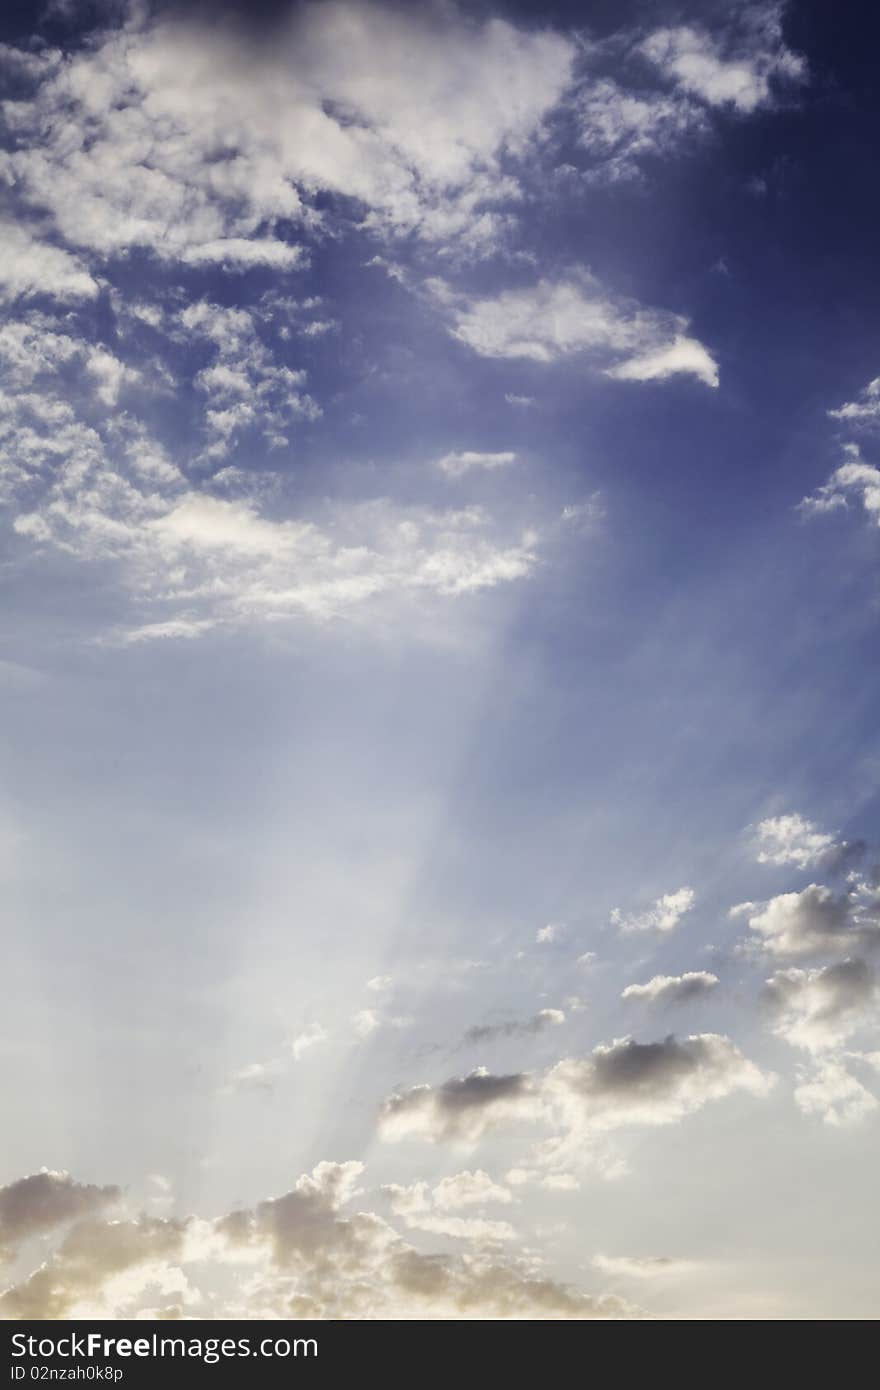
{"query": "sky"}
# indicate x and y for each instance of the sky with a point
(439, 818)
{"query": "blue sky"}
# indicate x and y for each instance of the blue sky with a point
(440, 768)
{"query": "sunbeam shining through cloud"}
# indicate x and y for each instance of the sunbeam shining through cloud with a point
(440, 478)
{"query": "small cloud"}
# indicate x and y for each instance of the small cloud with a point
(379, 983)
(663, 916)
(306, 1040)
(457, 464)
(256, 1076)
(643, 1266)
(674, 989)
(791, 839)
(366, 1022)
(519, 1028)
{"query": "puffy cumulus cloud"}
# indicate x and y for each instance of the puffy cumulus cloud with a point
(104, 1269)
(426, 1209)
(742, 65)
(674, 989)
(43, 1201)
(792, 839)
(833, 1095)
(207, 145)
(303, 1254)
(630, 1083)
(469, 1188)
(812, 922)
(663, 916)
(33, 267)
(460, 1110)
(195, 141)
(619, 1084)
(864, 410)
(546, 936)
(515, 1028)
(457, 464)
(853, 479)
(559, 318)
(819, 1009)
(464, 1189)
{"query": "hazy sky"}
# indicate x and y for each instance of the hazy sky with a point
(440, 782)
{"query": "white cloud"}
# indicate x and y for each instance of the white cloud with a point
(469, 1188)
(630, 1083)
(306, 1040)
(545, 936)
(619, 1084)
(740, 66)
(682, 357)
(255, 1076)
(663, 916)
(644, 1266)
(865, 410)
(380, 983)
(477, 1228)
(238, 253)
(791, 839)
(366, 1022)
(304, 1254)
(241, 136)
(109, 373)
(811, 922)
(674, 989)
(855, 478)
(618, 127)
(548, 1182)
(190, 560)
(558, 318)
(426, 1209)
(819, 1009)
(833, 1095)
(456, 465)
(31, 267)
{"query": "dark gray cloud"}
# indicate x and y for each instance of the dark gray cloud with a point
(631, 1083)
(514, 1028)
(461, 1109)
